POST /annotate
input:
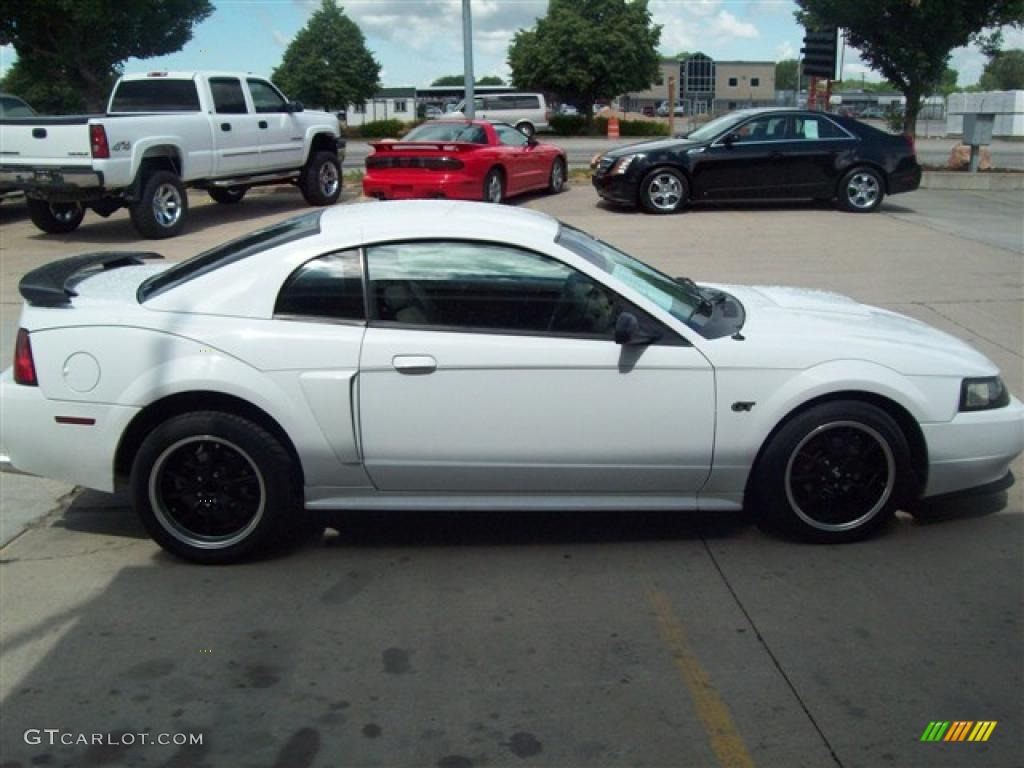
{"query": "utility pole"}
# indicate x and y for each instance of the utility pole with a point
(671, 106)
(467, 57)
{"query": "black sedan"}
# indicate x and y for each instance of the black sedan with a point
(761, 154)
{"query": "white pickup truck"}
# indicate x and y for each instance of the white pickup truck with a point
(163, 132)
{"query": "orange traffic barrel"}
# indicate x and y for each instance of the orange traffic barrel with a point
(613, 127)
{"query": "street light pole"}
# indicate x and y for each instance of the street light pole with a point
(467, 57)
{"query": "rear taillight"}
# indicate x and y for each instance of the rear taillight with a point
(98, 139)
(24, 365)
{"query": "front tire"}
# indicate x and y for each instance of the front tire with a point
(861, 190)
(161, 209)
(55, 218)
(556, 180)
(834, 473)
(320, 182)
(664, 190)
(228, 196)
(215, 488)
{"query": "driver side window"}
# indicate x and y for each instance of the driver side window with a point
(482, 287)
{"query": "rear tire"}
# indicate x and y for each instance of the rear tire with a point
(228, 196)
(861, 190)
(320, 182)
(216, 488)
(526, 128)
(55, 218)
(494, 186)
(664, 190)
(161, 209)
(833, 473)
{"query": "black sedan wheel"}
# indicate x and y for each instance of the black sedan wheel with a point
(861, 190)
(664, 190)
(834, 473)
(214, 488)
(228, 196)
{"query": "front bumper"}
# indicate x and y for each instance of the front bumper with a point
(974, 449)
(418, 185)
(618, 189)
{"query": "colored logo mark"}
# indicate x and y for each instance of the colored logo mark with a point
(958, 730)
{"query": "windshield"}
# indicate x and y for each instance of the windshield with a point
(681, 300)
(717, 126)
(447, 132)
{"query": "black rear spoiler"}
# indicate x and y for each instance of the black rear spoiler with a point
(47, 286)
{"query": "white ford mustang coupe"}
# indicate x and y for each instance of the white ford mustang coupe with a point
(441, 355)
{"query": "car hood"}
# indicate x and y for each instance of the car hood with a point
(798, 327)
(650, 147)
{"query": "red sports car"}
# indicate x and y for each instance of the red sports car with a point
(462, 160)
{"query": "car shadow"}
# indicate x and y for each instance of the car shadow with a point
(111, 515)
(750, 206)
(203, 214)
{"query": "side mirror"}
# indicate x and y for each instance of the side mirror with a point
(628, 333)
(731, 139)
(531, 141)
(293, 106)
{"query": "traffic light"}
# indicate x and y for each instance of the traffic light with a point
(820, 52)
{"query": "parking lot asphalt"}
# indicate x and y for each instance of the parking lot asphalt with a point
(513, 639)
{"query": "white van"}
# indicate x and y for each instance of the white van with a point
(526, 111)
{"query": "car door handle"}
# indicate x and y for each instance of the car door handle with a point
(414, 364)
(225, 126)
(262, 123)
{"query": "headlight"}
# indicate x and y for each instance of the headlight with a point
(621, 165)
(983, 394)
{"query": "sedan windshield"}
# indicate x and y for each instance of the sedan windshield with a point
(680, 299)
(447, 132)
(717, 126)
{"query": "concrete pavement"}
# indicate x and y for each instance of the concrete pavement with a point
(597, 639)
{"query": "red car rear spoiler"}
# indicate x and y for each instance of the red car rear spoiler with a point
(429, 146)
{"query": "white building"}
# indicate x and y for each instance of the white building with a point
(387, 104)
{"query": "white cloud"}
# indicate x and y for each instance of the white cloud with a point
(726, 26)
(785, 50)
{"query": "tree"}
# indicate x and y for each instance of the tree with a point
(328, 64)
(1004, 71)
(460, 80)
(585, 50)
(947, 84)
(909, 41)
(70, 51)
(786, 74)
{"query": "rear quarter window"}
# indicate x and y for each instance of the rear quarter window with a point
(155, 96)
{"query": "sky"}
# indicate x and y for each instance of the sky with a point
(416, 41)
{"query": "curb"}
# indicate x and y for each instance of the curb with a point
(954, 180)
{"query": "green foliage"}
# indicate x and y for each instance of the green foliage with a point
(1004, 71)
(947, 84)
(450, 80)
(585, 50)
(327, 64)
(459, 80)
(70, 51)
(910, 42)
(786, 74)
(632, 127)
(567, 125)
(381, 129)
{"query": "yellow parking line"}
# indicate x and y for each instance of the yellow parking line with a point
(714, 715)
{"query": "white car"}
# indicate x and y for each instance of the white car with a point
(446, 355)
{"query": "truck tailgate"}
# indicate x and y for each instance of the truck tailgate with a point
(43, 142)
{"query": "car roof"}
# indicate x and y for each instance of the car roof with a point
(437, 218)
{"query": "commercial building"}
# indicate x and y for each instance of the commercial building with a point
(708, 86)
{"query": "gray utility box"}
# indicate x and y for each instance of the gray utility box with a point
(978, 129)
